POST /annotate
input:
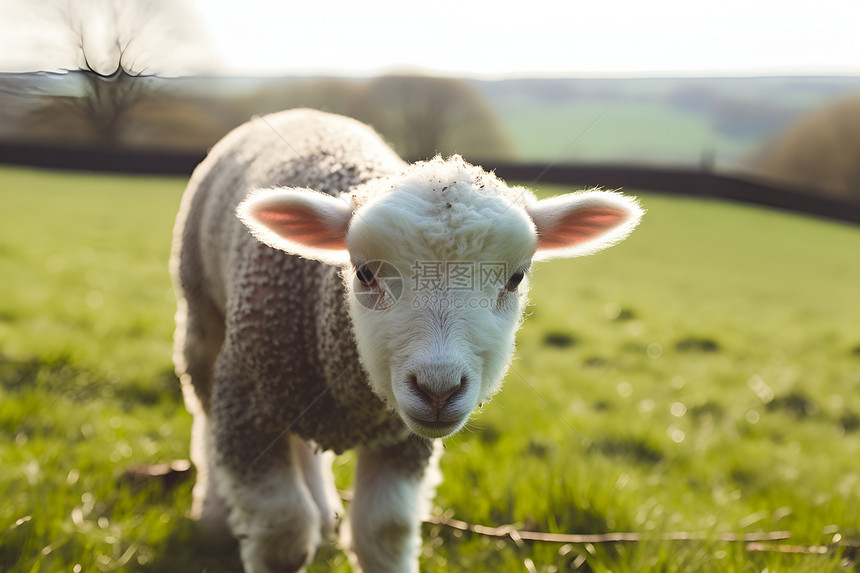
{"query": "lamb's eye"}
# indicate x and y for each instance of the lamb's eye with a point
(365, 276)
(515, 281)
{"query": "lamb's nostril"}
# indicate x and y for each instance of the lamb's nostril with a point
(435, 396)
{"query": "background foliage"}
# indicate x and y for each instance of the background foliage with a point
(821, 149)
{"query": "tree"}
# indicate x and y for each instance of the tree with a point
(820, 150)
(116, 47)
(423, 116)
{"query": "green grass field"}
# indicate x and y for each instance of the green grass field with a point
(704, 376)
(617, 131)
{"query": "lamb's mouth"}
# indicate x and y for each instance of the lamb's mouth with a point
(434, 429)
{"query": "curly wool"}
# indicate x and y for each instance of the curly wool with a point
(286, 324)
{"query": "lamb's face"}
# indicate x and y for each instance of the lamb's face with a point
(435, 266)
(437, 286)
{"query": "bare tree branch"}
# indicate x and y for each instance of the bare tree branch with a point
(114, 85)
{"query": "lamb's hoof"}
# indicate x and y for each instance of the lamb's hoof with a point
(274, 555)
(330, 527)
(289, 568)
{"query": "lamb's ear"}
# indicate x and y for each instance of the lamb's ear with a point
(299, 221)
(582, 223)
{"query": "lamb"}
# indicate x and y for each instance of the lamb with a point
(355, 302)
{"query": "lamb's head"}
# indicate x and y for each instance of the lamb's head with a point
(435, 263)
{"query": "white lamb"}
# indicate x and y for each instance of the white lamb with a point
(372, 305)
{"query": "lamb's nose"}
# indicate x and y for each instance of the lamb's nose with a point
(435, 393)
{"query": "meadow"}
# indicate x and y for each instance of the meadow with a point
(703, 376)
(616, 131)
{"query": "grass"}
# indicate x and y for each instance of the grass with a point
(589, 131)
(701, 377)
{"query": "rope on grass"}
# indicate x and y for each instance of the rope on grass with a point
(522, 535)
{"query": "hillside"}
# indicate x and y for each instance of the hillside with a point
(669, 120)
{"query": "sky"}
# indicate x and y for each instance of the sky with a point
(464, 38)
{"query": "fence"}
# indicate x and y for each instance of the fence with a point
(679, 181)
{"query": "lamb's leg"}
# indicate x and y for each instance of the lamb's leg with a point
(393, 488)
(199, 335)
(272, 511)
(274, 518)
(316, 469)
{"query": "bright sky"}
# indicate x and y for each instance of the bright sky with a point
(483, 37)
(558, 37)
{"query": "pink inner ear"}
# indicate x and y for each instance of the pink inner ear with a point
(580, 226)
(302, 226)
